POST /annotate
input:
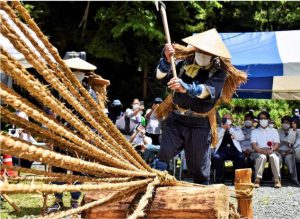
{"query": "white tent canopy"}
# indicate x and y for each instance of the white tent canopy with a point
(6, 44)
(272, 61)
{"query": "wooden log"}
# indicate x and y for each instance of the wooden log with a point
(169, 202)
(244, 190)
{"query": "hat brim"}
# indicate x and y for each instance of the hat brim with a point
(209, 42)
(80, 64)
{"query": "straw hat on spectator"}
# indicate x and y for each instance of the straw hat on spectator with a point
(80, 64)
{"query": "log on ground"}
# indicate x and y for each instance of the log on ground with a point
(169, 202)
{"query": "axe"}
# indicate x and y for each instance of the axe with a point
(160, 6)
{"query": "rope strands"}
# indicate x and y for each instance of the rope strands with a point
(111, 198)
(61, 176)
(11, 98)
(48, 75)
(47, 188)
(94, 109)
(101, 153)
(139, 211)
(25, 150)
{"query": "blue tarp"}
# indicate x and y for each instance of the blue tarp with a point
(263, 56)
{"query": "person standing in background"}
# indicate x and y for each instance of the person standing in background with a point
(153, 128)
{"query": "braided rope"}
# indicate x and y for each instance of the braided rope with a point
(95, 109)
(60, 176)
(39, 91)
(10, 97)
(60, 74)
(90, 152)
(116, 196)
(110, 147)
(139, 211)
(25, 150)
(45, 134)
(47, 188)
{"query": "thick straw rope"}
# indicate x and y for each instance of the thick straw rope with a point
(139, 211)
(110, 147)
(107, 124)
(40, 92)
(19, 44)
(62, 177)
(23, 105)
(108, 199)
(28, 151)
(96, 111)
(65, 178)
(46, 188)
(90, 152)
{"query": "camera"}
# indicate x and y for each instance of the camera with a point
(226, 121)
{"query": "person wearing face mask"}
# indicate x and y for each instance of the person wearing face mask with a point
(202, 69)
(265, 142)
(296, 114)
(246, 143)
(271, 124)
(287, 140)
(255, 123)
(153, 128)
(135, 113)
(296, 127)
(228, 147)
(115, 110)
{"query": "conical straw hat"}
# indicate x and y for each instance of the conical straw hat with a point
(210, 42)
(80, 64)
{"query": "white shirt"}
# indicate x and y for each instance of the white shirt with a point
(154, 125)
(285, 139)
(262, 136)
(136, 119)
(297, 143)
(246, 143)
(139, 140)
(235, 132)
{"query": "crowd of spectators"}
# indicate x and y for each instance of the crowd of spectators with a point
(256, 144)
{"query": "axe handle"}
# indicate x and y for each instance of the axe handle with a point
(168, 38)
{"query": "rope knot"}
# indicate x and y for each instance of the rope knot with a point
(165, 178)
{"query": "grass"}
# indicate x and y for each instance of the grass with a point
(30, 204)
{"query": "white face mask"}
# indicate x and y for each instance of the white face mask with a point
(248, 123)
(271, 125)
(297, 114)
(264, 123)
(135, 106)
(286, 126)
(202, 59)
(79, 75)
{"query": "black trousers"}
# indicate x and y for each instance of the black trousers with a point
(227, 153)
(191, 134)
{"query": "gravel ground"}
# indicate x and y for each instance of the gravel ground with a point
(271, 203)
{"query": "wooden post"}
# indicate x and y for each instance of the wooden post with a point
(45, 195)
(243, 189)
(11, 202)
(169, 202)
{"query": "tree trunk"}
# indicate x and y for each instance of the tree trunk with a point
(145, 88)
(169, 202)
